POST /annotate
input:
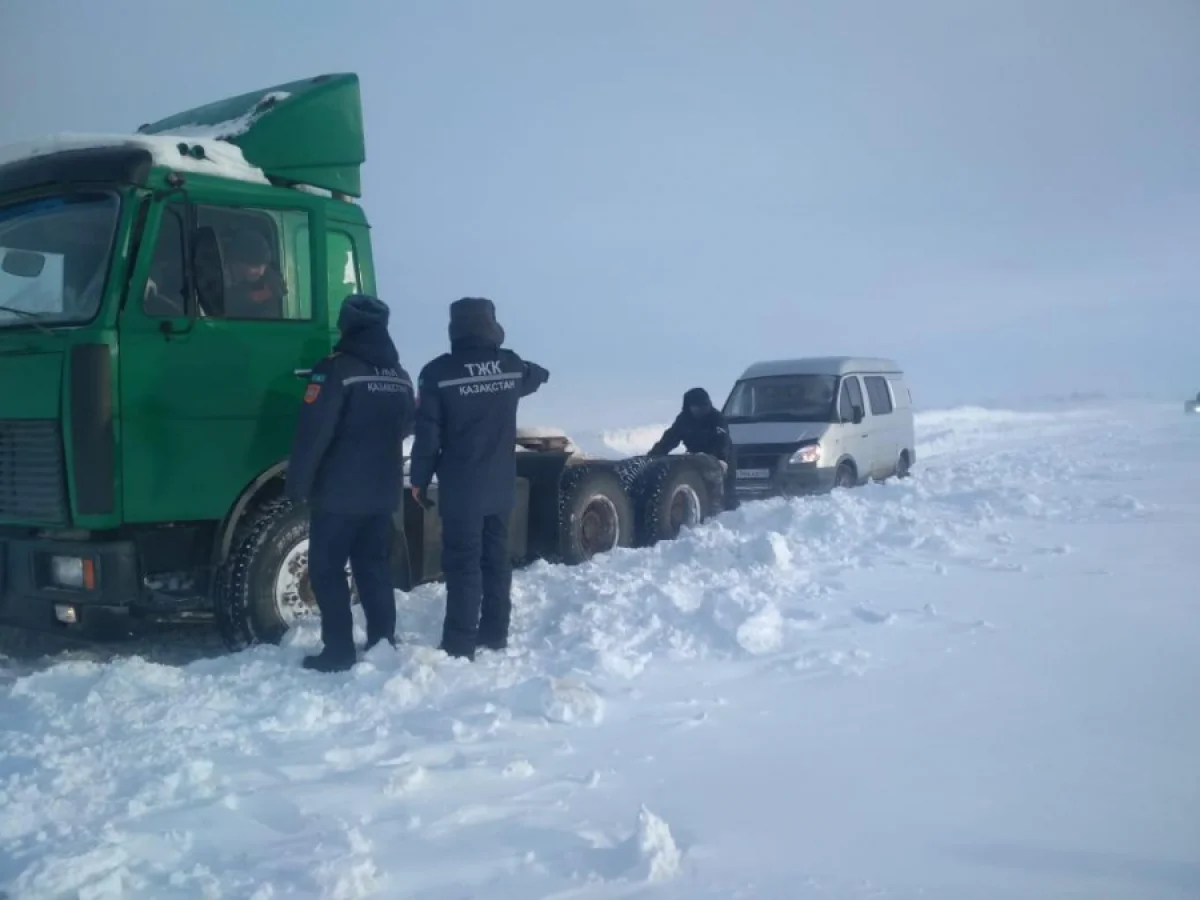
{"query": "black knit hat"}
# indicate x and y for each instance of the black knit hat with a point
(474, 319)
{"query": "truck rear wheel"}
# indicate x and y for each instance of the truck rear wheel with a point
(595, 514)
(264, 589)
(671, 494)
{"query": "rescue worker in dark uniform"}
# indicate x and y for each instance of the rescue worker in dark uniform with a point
(701, 428)
(466, 435)
(347, 464)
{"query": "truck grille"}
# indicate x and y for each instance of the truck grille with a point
(32, 481)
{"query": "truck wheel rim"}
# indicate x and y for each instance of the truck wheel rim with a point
(599, 526)
(684, 508)
(294, 597)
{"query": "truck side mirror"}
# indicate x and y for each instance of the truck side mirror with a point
(856, 415)
(23, 263)
(208, 266)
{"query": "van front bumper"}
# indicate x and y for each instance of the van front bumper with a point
(96, 608)
(787, 482)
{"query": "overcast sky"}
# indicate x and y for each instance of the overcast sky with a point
(1004, 195)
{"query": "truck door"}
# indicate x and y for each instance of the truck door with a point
(209, 396)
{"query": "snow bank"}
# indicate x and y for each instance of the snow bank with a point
(533, 772)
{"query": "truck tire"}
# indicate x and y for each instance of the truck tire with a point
(263, 588)
(672, 493)
(595, 513)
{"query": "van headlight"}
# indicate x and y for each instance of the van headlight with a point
(806, 456)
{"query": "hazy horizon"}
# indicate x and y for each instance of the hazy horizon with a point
(1003, 197)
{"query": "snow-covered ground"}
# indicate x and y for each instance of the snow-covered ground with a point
(978, 683)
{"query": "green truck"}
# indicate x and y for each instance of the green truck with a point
(150, 374)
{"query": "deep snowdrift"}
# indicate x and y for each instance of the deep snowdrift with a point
(871, 694)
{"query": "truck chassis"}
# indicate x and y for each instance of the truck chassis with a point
(249, 576)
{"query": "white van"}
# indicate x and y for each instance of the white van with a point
(809, 425)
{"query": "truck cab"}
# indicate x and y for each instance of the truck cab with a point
(162, 296)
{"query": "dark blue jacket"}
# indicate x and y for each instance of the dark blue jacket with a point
(466, 422)
(700, 427)
(358, 409)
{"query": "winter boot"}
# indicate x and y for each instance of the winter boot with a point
(330, 662)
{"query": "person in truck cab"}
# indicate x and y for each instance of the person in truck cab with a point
(466, 434)
(701, 428)
(347, 464)
(256, 289)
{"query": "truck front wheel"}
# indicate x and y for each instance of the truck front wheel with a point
(263, 589)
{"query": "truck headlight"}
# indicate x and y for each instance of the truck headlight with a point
(806, 455)
(72, 572)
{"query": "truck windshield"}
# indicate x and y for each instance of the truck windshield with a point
(782, 398)
(54, 254)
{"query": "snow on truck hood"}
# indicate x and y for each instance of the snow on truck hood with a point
(775, 432)
(221, 159)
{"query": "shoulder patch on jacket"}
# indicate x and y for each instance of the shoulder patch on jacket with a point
(312, 392)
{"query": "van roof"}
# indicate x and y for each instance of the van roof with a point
(821, 365)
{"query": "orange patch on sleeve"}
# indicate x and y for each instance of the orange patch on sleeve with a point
(310, 395)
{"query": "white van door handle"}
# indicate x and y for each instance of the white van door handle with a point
(302, 373)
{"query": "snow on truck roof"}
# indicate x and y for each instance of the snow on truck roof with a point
(821, 365)
(306, 134)
(220, 158)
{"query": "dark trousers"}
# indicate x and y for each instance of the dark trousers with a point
(364, 541)
(478, 573)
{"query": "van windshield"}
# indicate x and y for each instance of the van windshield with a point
(54, 255)
(783, 398)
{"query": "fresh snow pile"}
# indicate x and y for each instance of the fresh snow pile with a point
(630, 441)
(975, 683)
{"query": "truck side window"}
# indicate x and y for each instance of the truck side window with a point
(880, 397)
(259, 282)
(256, 286)
(344, 277)
(850, 397)
(166, 286)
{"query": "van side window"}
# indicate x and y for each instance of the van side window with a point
(900, 393)
(850, 397)
(877, 392)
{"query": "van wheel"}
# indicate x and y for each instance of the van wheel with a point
(903, 467)
(595, 514)
(671, 494)
(263, 590)
(845, 477)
